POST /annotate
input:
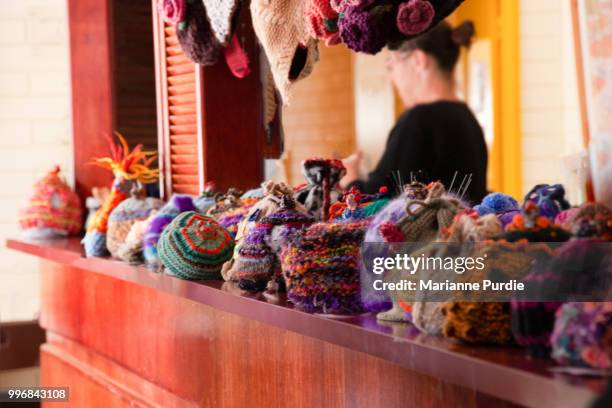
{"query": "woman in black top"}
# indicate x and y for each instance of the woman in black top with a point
(437, 135)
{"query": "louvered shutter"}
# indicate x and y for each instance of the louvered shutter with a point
(210, 124)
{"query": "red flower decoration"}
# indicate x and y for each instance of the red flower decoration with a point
(321, 21)
(415, 16)
(172, 11)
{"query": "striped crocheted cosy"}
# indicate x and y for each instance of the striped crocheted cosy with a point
(321, 268)
(126, 214)
(53, 209)
(195, 247)
(178, 203)
(256, 260)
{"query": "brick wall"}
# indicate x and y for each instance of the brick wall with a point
(34, 129)
(551, 121)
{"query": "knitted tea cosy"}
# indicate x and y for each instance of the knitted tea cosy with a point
(322, 177)
(578, 267)
(196, 36)
(321, 268)
(256, 258)
(505, 207)
(195, 247)
(207, 199)
(179, 203)
(592, 220)
(124, 216)
(550, 199)
(131, 251)
(225, 202)
(281, 29)
(322, 21)
(53, 209)
(582, 335)
(131, 169)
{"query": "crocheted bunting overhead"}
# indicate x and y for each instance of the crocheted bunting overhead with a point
(195, 247)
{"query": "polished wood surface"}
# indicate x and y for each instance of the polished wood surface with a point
(199, 330)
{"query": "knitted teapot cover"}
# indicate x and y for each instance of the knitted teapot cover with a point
(131, 251)
(321, 268)
(579, 266)
(582, 335)
(322, 177)
(256, 257)
(195, 247)
(53, 209)
(124, 216)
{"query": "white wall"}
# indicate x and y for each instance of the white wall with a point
(34, 129)
(550, 113)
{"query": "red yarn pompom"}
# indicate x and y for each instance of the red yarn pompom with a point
(415, 16)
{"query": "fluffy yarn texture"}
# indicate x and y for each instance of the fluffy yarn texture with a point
(550, 199)
(415, 16)
(178, 204)
(195, 247)
(505, 207)
(132, 249)
(256, 259)
(322, 21)
(53, 209)
(592, 220)
(124, 216)
(281, 29)
(196, 37)
(582, 335)
(321, 268)
(172, 11)
(578, 267)
(366, 30)
(221, 17)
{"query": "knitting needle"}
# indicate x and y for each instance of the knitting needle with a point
(461, 185)
(397, 187)
(450, 190)
(466, 186)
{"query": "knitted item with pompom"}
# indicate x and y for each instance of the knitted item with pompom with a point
(321, 268)
(195, 247)
(53, 209)
(132, 249)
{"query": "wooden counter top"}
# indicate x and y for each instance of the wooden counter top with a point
(505, 373)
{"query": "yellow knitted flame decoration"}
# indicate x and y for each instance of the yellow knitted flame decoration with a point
(128, 165)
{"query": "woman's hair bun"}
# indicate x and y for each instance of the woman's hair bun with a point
(463, 34)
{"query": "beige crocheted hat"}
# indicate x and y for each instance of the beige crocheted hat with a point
(291, 51)
(221, 15)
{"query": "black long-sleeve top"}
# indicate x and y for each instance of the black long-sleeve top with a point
(437, 139)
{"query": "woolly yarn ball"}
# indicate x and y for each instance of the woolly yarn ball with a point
(321, 268)
(172, 11)
(497, 203)
(195, 247)
(582, 335)
(53, 209)
(415, 16)
(364, 31)
(124, 216)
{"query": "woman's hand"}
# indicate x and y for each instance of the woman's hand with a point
(352, 164)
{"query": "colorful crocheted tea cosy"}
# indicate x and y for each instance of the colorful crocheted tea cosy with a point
(550, 199)
(368, 26)
(281, 29)
(271, 201)
(131, 251)
(256, 262)
(225, 202)
(582, 335)
(179, 203)
(533, 227)
(124, 216)
(207, 199)
(579, 267)
(130, 169)
(321, 268)
(53, 209)
(592, 220)
(322, 177)
(195, 247)
(505, 207)
(196, 37)
(232, 218)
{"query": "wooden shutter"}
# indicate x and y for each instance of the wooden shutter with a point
(177, 114)
(210, 124)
